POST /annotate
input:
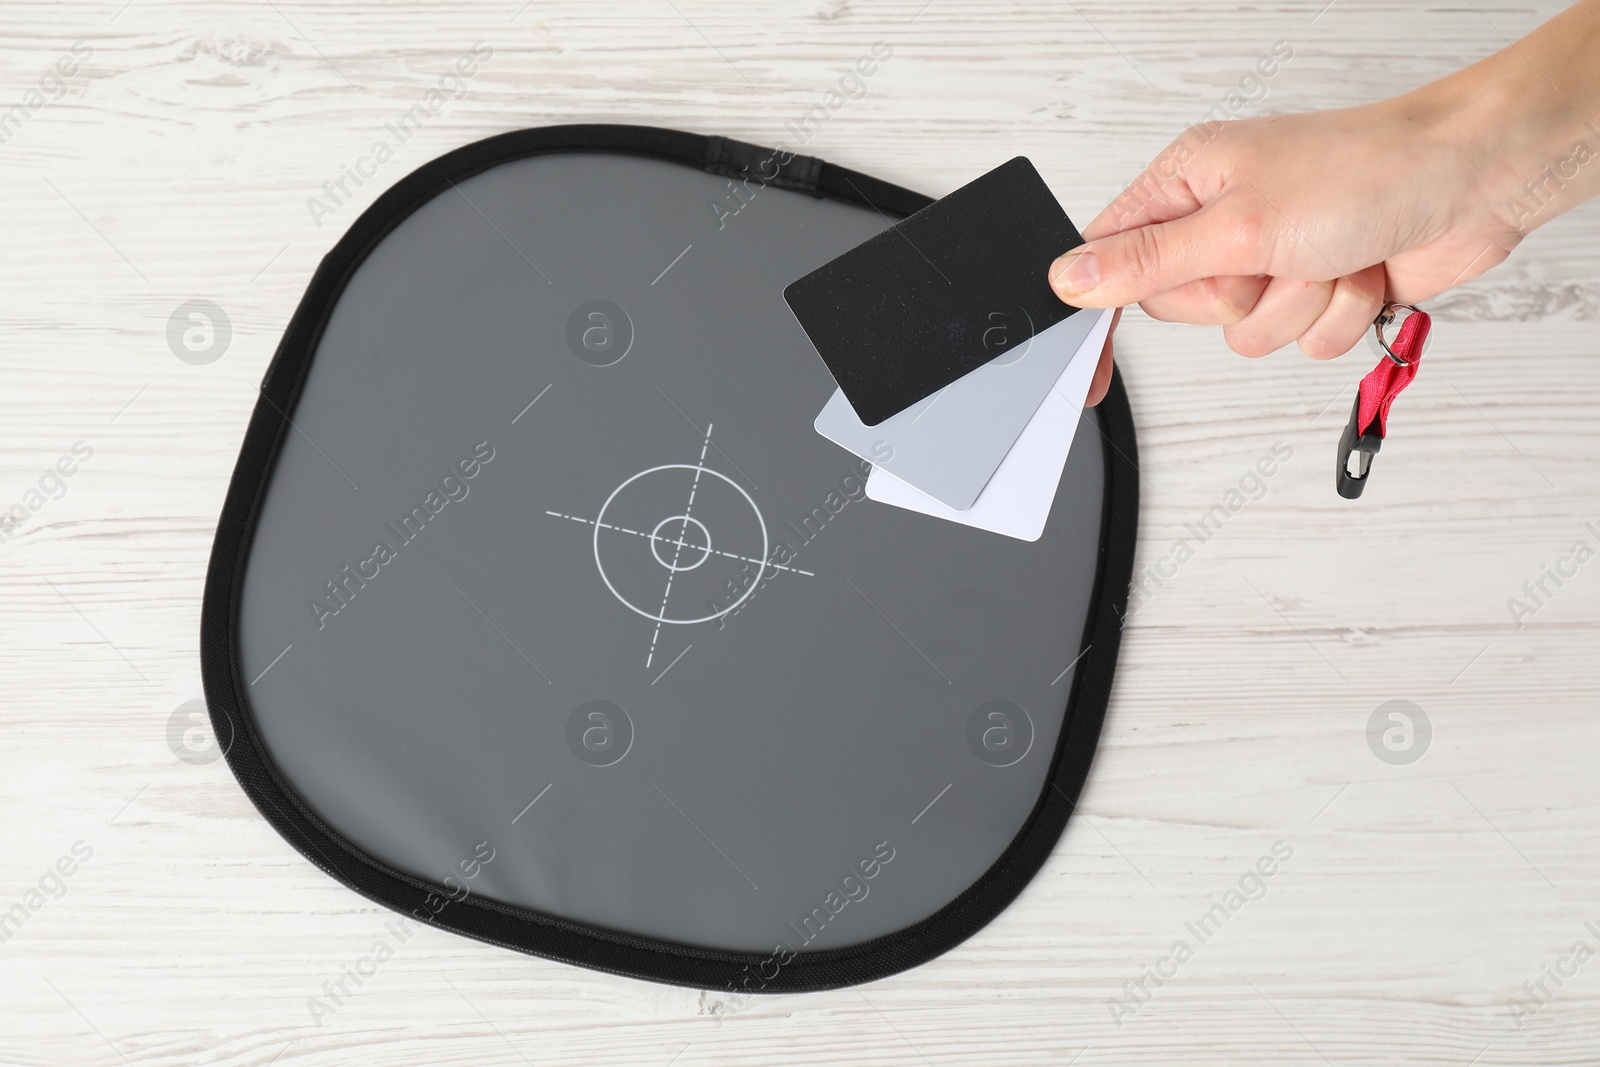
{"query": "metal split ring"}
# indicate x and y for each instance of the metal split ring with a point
(1386, 317)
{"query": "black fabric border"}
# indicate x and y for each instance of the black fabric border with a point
(549, 936)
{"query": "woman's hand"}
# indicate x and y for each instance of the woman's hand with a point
(1296, 228)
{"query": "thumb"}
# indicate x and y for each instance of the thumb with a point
(1127, 267)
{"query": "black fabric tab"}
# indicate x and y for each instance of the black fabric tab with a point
(768, 166)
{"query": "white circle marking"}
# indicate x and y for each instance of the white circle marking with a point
(600, 519)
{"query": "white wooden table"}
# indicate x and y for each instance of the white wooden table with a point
(175, 163)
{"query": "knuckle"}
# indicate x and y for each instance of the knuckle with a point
(1143, 252)
(1321, 346)
(1245, 230)
(1246, 343)
(1371, 282)
(1159, 308)
(1316, 347)
(1231, 298)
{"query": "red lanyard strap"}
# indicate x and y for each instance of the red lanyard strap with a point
(1369, 417)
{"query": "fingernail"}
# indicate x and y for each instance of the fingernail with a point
(1075, 272)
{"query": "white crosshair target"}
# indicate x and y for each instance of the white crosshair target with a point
(655, 547)
(680, 544)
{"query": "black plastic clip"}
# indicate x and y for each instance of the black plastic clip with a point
(1362, 445)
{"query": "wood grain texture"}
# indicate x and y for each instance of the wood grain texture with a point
(1419, 899)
